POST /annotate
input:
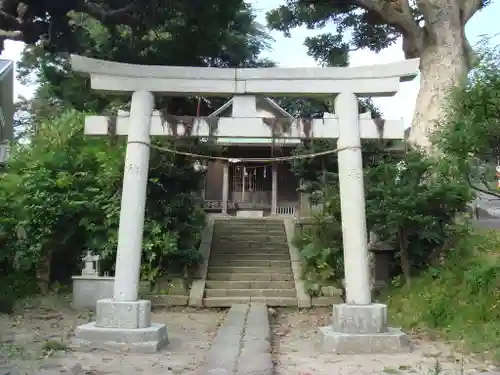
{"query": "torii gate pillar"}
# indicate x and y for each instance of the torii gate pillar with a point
(358, 325)
(124, 322)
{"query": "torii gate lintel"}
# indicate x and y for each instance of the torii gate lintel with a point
(370, 81)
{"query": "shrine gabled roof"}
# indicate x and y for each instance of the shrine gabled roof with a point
(276, 106)
(264, 99)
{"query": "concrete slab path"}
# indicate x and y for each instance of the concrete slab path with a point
(242, 345)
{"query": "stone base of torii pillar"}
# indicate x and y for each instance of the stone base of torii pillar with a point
(124, 322)
(358, 326)
(358, 329)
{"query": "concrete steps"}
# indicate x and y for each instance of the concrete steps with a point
(263, 256)
(239, 270)
(258, 242)
(269, 301)
(237, 248)
(251, 292)
(268, 276)
(255, 236)
(249, 262)
(253, 284)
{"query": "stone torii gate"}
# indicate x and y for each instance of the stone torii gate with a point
(124, 321)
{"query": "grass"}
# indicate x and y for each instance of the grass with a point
(53, 346)
(458, 301)
(11, 351)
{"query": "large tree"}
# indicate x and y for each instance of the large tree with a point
(32, 20)
(83, 173)
(51, 23)
(201, 35)
(432, 30)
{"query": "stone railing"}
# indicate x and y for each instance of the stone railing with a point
(286, 210)
(316, 208)
(212, 205)
(216, 205)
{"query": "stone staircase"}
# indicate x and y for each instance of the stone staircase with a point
(249, 262)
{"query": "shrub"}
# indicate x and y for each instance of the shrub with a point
(457, 298)
(60, 197)
(412, 200)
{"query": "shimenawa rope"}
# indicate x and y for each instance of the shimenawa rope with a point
(246, 160)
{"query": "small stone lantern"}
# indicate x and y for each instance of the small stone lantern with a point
(382, 256)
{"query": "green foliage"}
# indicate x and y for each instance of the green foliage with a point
(204, 25)
(20, 285)
(320, 244)
(317, 173)
(61, 197)
(471, 131)
(456, 299)
(411, 199)
(473, 118)
(51, 346)
(51, 183)
(205, 34)
(61, 194)
(413, 202)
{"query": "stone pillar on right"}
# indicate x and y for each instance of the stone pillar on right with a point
(225, 188)
(274, 189)
(358, 326)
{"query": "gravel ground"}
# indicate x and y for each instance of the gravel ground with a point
(35, 338)
(295, 335)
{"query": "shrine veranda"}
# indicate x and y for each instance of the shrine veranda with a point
(249, 122)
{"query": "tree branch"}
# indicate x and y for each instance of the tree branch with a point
(8, 21)
(397, 13)
(101, 14)
(468, 8)
(426, 10)
(469, 52)
(11, 35)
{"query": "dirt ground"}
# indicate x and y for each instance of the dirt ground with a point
(295, 335)
(37, 337)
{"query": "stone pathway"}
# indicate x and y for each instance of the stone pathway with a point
(487, 209)
(488, 202)
(243, 343)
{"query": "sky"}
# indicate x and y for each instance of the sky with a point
(290, 52)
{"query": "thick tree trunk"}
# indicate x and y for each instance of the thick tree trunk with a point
(444, 64)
